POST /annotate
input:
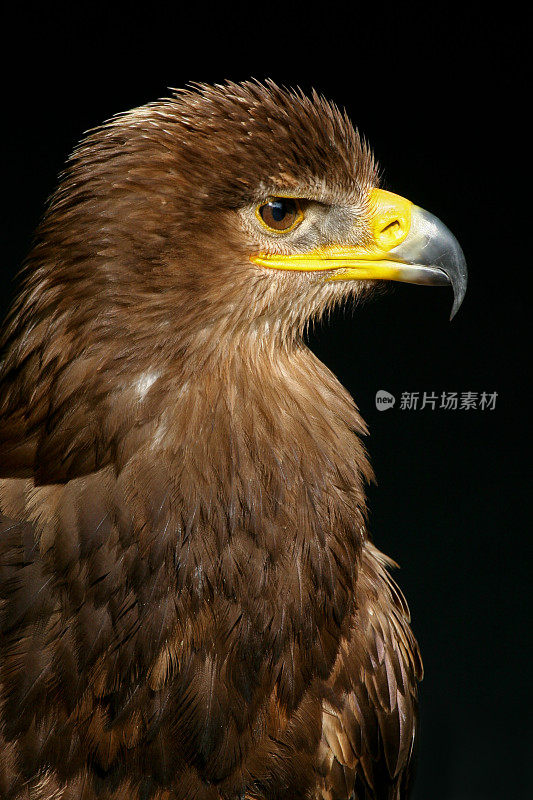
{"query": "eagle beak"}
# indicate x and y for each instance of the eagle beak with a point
(406, 244)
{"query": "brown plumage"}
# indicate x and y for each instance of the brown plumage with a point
(191, 607)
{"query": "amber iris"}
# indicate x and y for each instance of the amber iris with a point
(280, 213)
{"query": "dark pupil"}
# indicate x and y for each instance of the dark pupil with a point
(279, 210)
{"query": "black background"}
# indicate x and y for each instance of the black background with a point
(440, 96)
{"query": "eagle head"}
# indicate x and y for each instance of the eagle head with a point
(219, 220)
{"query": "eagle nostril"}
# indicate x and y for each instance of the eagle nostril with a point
(391, 233)
(392, 227)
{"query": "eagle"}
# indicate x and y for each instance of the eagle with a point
(191, 606)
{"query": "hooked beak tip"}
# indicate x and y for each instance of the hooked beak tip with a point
(432, 244)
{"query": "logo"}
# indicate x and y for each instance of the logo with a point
(384, 400)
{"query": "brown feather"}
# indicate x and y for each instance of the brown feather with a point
(190, 607)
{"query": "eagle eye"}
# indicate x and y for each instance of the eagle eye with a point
(280, 214)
